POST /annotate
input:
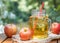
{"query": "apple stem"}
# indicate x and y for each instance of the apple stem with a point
(25, 30)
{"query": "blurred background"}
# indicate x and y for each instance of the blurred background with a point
(18, 11)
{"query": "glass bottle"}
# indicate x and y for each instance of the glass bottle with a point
(39, 23)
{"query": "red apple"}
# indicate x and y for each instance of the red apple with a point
(55, 28)
(25, 33)
(10, 29)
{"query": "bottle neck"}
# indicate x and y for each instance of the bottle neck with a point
(38, 13)
(43, 13)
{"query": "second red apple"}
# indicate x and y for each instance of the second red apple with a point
(25, 34)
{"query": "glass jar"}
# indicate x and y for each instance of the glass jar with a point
(39, 23)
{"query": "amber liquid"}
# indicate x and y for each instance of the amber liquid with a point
(40, 27)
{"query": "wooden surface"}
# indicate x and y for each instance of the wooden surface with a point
(3, 39)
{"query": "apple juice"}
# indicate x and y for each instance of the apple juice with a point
(39, 25)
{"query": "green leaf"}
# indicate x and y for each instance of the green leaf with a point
(58, 19)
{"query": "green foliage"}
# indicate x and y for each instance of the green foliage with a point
(22, 9)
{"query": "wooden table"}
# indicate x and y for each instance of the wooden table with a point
(3, 39)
